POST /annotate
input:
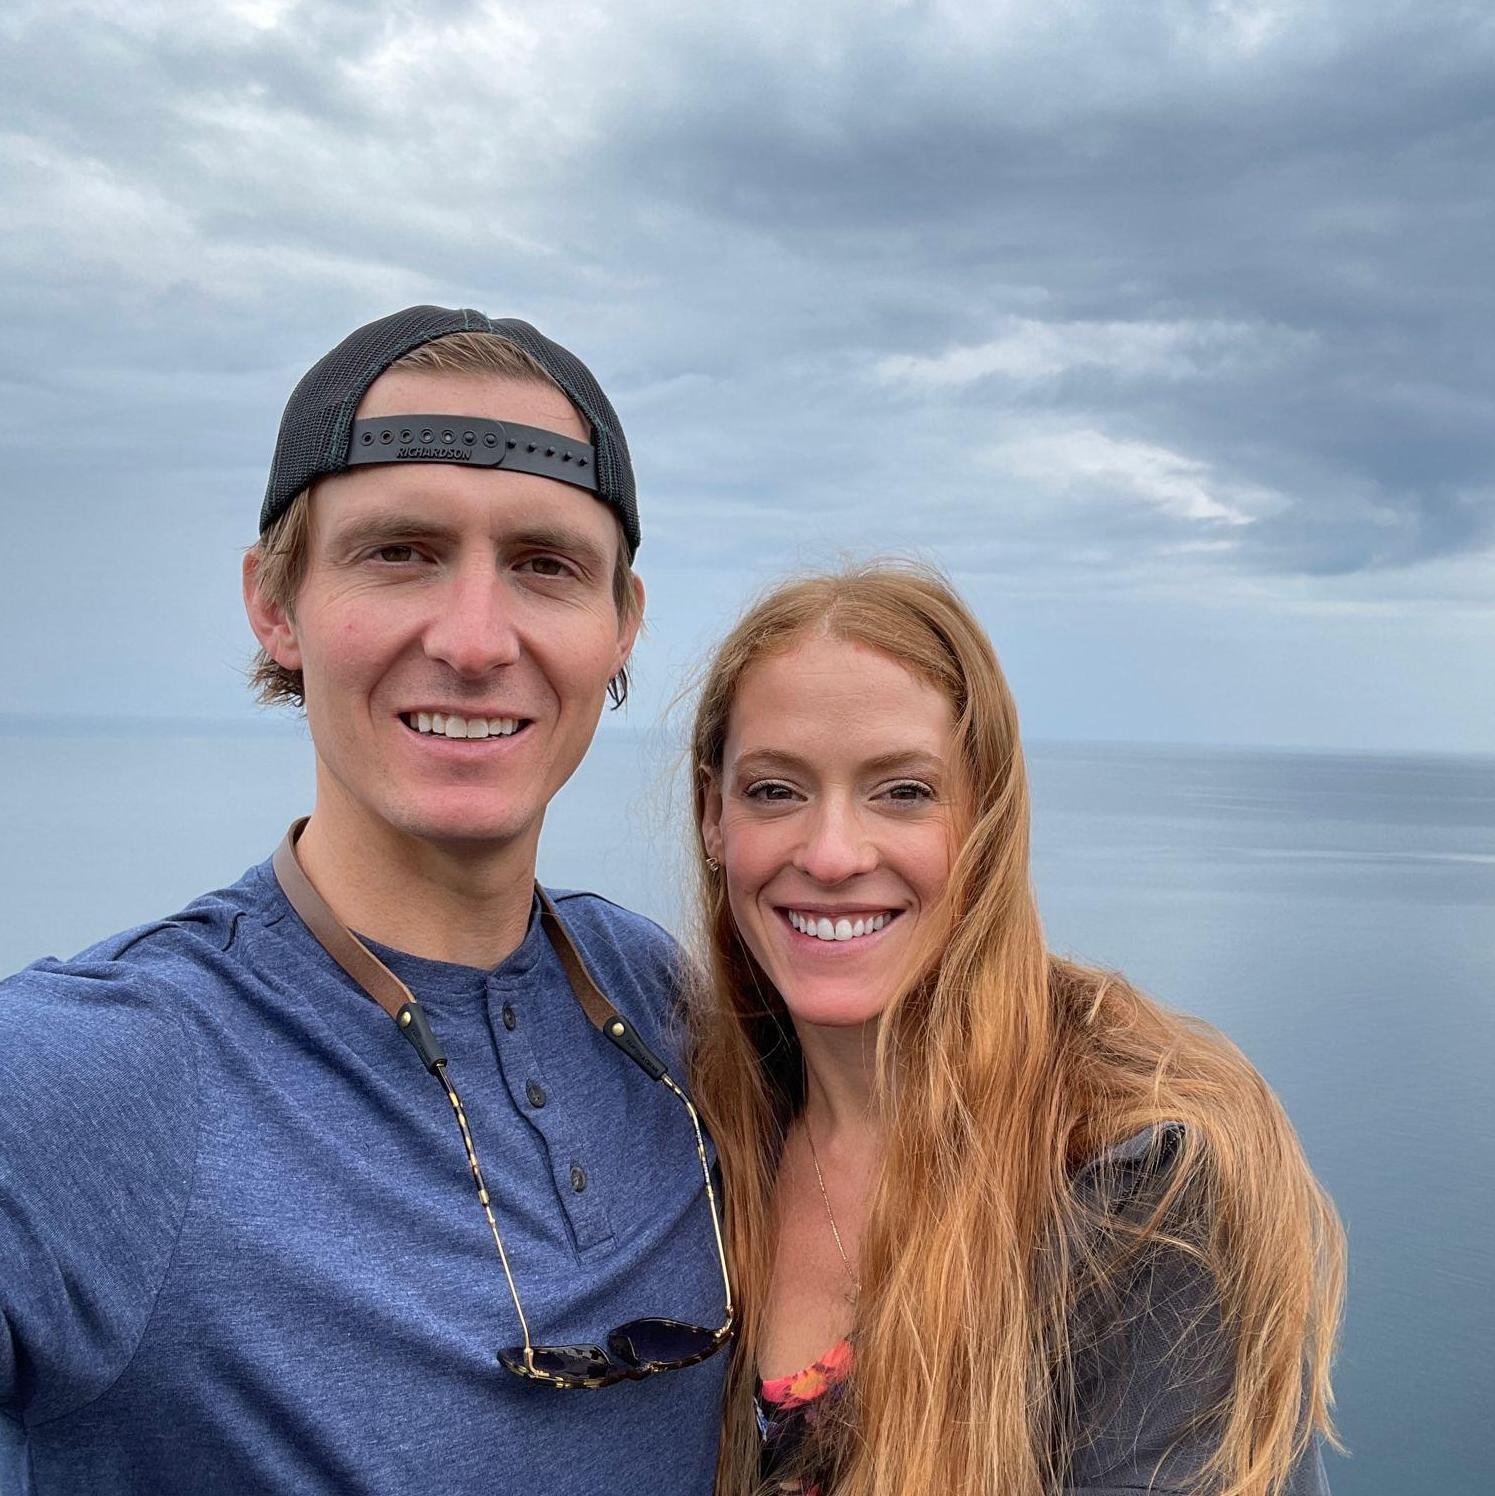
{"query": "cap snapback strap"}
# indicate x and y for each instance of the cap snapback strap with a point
(480, 443)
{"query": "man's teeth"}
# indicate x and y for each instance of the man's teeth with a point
(822, 928)
(444, 725)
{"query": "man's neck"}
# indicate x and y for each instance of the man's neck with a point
(443, 902)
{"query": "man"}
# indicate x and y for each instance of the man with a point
(250, 1238)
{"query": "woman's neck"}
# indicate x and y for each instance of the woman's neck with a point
(841, 1103)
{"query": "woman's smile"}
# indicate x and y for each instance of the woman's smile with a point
(838, 927)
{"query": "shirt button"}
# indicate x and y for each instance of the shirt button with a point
(511, 1019)
(536, 1093)
(578, 1178)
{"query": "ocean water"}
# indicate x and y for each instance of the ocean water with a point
(1334, 914)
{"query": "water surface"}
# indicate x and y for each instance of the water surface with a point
(1335, 914)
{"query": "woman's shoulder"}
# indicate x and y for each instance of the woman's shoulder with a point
(1135, 1173)
(1147, 1151)
(1152, 1339)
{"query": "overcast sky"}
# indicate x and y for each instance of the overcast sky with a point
(1167, 328)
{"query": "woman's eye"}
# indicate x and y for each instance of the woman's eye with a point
(910, 792)
(769, 792)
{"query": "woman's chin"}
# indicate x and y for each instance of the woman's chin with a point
(823, 1007)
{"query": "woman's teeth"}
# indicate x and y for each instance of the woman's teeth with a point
(447, 726)
(821, 928)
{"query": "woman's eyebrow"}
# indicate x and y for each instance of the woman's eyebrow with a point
(905, 761)
(771, 761)
(899, 761)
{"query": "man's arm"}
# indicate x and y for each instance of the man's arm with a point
(98, 1136)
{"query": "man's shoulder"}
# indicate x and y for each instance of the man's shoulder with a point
(102, 1075)
(160, 958)
(591, 917)
(639, 963)
(113, 1033)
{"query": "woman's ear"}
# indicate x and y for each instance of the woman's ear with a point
(272, 623)
(711, 817)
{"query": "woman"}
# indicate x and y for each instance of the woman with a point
(1000, 1223)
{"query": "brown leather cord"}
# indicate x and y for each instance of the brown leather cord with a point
(381, 984)
(591, 997)
(355, 958)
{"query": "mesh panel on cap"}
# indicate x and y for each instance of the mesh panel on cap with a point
(318, 418)
(614, 465)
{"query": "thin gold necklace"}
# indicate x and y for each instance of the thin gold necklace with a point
(830, 1215)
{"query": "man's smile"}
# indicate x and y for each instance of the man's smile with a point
(454, 727)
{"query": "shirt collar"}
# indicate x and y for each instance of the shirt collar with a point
(422, 975)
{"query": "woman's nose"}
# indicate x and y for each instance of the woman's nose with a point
(836, 846)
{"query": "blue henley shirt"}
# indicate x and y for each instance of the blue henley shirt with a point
(240, 1250)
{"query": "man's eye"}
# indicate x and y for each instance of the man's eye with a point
(393, 555)
(549, 566)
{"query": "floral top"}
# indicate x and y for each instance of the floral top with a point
(788, 1407)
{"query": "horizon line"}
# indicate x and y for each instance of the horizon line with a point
(282, 723)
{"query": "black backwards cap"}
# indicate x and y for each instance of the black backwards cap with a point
(319, 435)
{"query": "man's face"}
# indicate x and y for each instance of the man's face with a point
(477, 598)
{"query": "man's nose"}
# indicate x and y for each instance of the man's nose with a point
(473, 625)
(836, 845)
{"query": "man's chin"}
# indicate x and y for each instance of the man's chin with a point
(469, 827)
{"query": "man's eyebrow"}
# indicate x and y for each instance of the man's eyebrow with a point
(573, 543)
(386, 525)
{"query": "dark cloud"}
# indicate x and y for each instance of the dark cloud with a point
(1334, 184)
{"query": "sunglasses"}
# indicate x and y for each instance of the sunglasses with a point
(642, 1347)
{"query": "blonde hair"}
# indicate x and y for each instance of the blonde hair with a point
(1006, 1069)
(283, 551)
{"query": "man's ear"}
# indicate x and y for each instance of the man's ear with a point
(272, 623)
(630, 625)
(711, 817)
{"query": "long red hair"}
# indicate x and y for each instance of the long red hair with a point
(1003, 1068)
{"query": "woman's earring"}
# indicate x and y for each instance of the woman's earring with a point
(713, 864)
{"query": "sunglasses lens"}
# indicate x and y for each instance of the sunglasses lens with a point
(643, 1342)
(579, 1363)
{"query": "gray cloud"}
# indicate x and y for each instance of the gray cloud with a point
(1321, 188)
(1190, 294)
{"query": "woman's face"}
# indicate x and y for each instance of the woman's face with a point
(835, 821)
